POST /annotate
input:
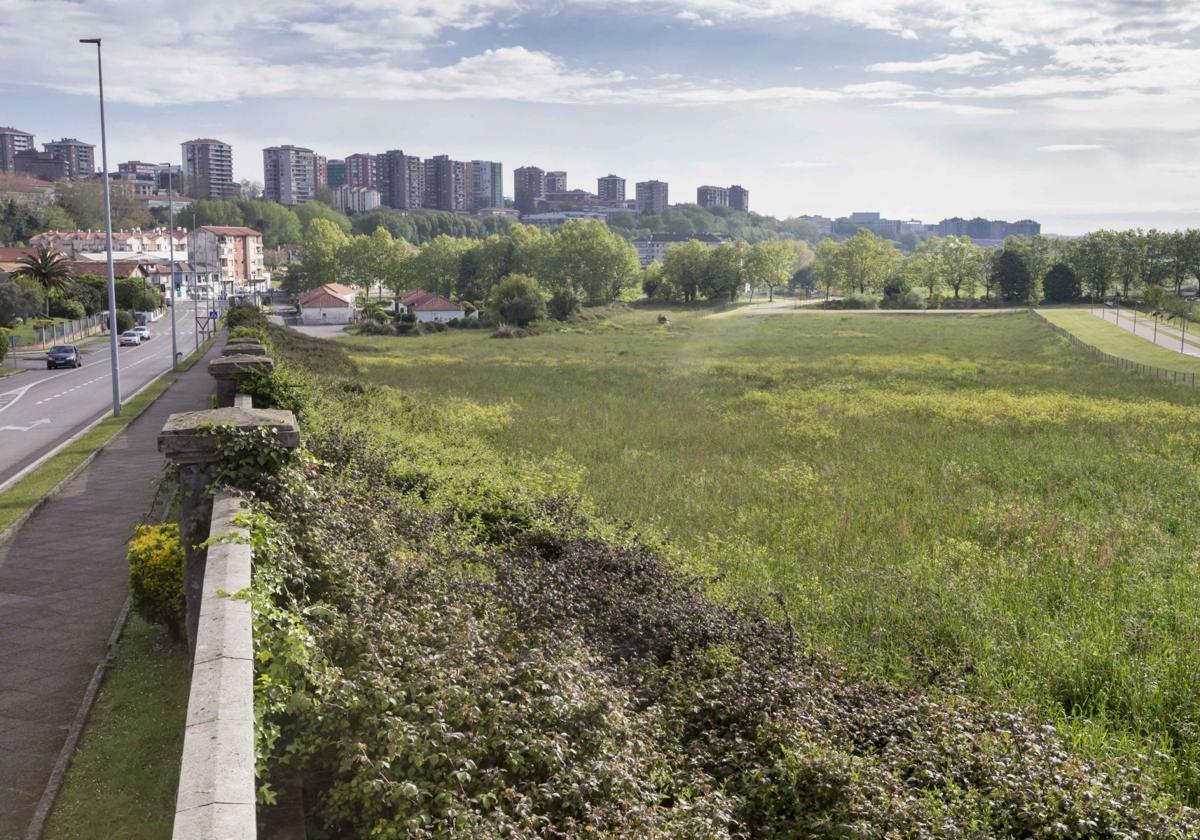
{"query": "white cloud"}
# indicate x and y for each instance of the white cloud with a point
(951, 63)
(804, 164)
(880, 90)
(1072, 147)
(958, 109)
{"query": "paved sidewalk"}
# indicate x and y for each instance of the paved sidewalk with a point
(62, 585)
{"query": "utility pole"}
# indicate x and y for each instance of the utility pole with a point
(112, 284)
(171, 239)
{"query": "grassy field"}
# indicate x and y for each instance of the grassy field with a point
(942, 499)
(1108, 337)
(124, 774)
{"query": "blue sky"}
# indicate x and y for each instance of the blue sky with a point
(1080, 113)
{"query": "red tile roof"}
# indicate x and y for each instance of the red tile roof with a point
(331, 295)
(423, 301)
(221, 230)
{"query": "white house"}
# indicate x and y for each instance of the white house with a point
(428, 306)
(328, 304)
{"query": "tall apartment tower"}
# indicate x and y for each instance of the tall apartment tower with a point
(487, 184)
(336, 172)
(447, 183)
(712, 196)
(79, 157)
(208, 169)
(401, 180)
(529, 187)
(362, 171)
(651, 196)
(289, 175)
(611, 188)
(556, 182)
(12, 141)
(321, 168)
(739, 198)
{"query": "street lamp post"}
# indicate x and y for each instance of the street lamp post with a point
(112, 286)
(171, 239)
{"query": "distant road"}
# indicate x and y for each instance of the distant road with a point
(39, 409)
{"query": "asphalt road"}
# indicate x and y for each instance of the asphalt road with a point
(39, 408)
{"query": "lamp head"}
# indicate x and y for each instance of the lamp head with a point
(95, 41)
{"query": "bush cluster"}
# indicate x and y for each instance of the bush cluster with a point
(444, 651)
(156, 576)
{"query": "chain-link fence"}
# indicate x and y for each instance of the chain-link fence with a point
(1178, 376)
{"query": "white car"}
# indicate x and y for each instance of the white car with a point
(143, 332)
(130, 338)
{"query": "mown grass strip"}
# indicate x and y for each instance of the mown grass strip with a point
(1109, 338)
(30, 490)
(124, 774)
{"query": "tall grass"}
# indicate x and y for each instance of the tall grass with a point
(963, 500)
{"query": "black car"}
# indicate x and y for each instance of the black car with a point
(63, 355)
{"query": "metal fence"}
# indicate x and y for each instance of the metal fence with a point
(59, 333)
(1178, 376)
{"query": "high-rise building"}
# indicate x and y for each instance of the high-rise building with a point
(12, 141)
(556, 182)
(651, 196)
(487, 184)
(336, 171)
(289, 175)
(41, 165)
(529, 187)
(321, 169)
(447, 183)
(739, 198)
(79, 157)
(401, 180)
(611, 188)
(707, 196)
(208, 169)
(362, 171)
(356, 199)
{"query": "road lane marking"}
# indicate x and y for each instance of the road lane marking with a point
(32, 425)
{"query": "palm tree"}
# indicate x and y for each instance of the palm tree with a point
(48, 268)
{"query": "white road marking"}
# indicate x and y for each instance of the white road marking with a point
(32, 425)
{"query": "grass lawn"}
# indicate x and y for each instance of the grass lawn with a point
(29, 490)
(123, 776)
(1116, 341)
(962, 500)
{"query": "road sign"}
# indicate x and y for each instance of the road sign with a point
(213, 314)
(202, 323)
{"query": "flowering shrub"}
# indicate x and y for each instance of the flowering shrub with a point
(156, 576)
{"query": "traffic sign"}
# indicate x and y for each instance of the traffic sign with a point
(213, 314)
(202, 323)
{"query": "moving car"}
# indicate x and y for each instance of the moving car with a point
(143, 332)
(130, 338)
(63, 355)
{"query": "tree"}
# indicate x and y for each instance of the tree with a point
(771, 263)
(84, 201)
(590, 260)
(279, 225)
(563, 305)
(867, 261)
(48, 269)
(725, 272)
(960, 264)
(1010, 274)
(516, 300)
(1091, 258)
(367, 261)
(438, 265)
(828, 267)
(324, 242)
(136, 295)
(684, 267)
(17, 302)
(921, 269)
(309, 211)
(1060, 284)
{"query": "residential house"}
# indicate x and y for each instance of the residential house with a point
(427, 306)
(331, 303)
(238, 254)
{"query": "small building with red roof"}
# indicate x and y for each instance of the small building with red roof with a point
(331, 303)
(428, 306)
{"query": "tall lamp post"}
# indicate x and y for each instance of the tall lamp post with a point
(171, 240)
(112, 286)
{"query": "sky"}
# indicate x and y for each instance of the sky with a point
(1079, 113)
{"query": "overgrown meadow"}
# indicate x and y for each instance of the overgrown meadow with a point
(947, 500)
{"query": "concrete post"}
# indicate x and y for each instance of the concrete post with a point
(187, 440)
(227, 369)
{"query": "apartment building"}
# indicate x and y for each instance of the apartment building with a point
(236, 252)
(529, 187)
(401, 180)
(487, 184)
(654, 247)
(651, 196)
(708, 196)
(12, 140)
(208, 169)
(611, 189)
(357, 199)
(289, 174)
(447, 184)
(321, 170)
(335, 171)
(739, 198)
(41, 165)
(79, 157)
(362, 170)
(556, 182)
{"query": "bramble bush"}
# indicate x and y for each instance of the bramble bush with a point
(156, 576)
(447, 647)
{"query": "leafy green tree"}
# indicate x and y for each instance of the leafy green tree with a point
(1061, 285)
(1011, 276)
(310, 211)
(438, 265)
(563, 305)
(771, 263)
(279, 225)
(136, 295)
(685, 266)
(828, 267)
(517, 300)
(83, 201)
(921, 269)
(590, 260)
(960, 264)
(725, 273)
(324, 243)
(1092, 258)
(17, 302)
(369, 261)
(48, 269)
(19, 221)
(867, 261)
(201, 212)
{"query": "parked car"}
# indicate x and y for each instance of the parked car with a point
(143, 332)
(130, 338)
(63, 355)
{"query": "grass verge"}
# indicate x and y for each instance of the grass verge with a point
(124, 774)
(27, 492)
(1116, 341)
